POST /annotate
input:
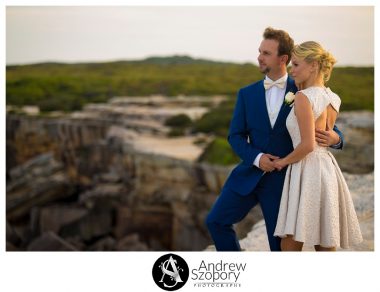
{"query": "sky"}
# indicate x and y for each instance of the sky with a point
(97, 34)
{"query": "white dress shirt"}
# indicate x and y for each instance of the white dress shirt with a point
(274, 98)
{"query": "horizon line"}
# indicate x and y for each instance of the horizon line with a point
(153, 56)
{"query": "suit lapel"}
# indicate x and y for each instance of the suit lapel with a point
(263, 105)
(285, 109)
(282, 115)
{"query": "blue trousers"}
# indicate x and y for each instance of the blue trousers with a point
(231, 208)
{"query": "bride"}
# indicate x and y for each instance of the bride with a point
(316, 206)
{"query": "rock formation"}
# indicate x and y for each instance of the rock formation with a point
(87, 181)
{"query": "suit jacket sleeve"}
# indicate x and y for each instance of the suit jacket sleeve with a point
(238, 134)
(340, 144)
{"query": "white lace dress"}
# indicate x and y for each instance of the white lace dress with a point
(316, 205)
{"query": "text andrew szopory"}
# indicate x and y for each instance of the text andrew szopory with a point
(229, 272)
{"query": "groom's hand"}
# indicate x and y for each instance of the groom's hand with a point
(326, 138)
(266, 162)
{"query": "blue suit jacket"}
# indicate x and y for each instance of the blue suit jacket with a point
(251, 133)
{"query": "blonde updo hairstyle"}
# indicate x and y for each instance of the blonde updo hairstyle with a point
(312, 51)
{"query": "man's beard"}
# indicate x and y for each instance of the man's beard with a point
(266, 70)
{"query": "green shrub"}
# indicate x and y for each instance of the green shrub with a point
(179, 121)
(175, 132)
(217, 120)
(219, 152)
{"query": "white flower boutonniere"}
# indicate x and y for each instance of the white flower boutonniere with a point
(289, 98)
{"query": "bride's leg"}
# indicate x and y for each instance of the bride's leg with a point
(289, 244)
(321, 248)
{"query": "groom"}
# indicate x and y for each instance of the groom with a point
(258, 135)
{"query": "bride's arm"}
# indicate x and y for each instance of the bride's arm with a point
(305, 119)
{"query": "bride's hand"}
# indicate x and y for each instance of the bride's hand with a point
(279, 164)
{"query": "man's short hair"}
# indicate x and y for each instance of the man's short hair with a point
(285, 42)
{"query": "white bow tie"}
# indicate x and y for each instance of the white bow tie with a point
(279, 83)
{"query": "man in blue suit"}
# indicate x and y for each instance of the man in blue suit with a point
(258, 135)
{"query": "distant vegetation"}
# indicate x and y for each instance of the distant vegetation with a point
(67, 87)
(55, 86)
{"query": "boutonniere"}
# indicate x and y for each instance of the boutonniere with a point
(289, 98)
